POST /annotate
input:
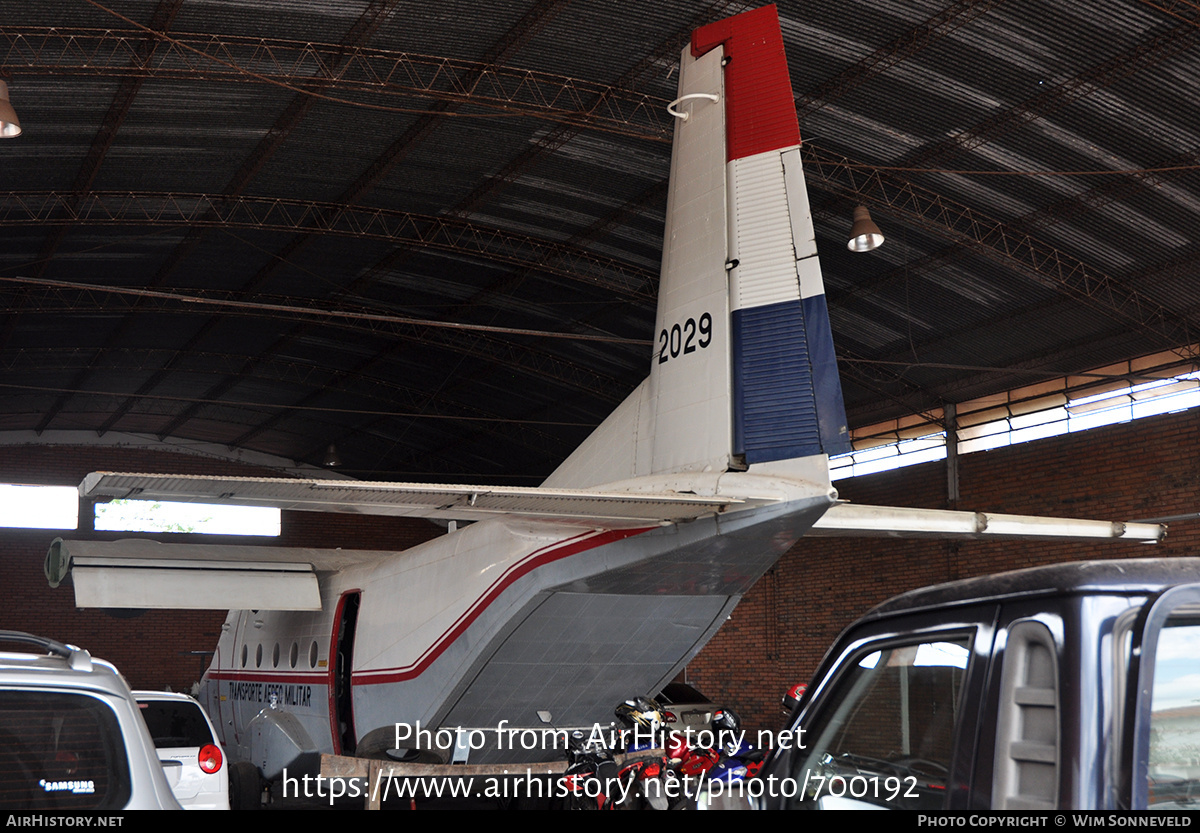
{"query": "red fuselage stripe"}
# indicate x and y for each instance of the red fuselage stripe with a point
(309, 677)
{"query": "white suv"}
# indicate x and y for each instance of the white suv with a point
(188, 748)
(71, 737)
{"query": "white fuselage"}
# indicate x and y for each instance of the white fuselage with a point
(423, 615)
(492, 622)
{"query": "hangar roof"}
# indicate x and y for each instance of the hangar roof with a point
(283, 225)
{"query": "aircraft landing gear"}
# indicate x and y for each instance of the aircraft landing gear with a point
(245, 787)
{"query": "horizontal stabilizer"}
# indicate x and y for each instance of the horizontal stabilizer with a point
(847, 520)
(139, 573)
(418, 500)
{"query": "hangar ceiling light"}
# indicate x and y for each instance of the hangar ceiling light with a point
(10, 125)
(864, 234)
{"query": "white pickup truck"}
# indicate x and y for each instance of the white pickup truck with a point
(1073, 686)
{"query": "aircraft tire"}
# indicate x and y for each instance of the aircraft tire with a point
(245, 787)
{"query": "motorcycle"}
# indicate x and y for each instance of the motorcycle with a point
(591, 781)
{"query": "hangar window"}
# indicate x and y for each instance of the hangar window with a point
(1157, 384)
(169, 516)
(39, 507)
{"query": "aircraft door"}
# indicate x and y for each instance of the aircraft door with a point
(341, 666)
(226, 664)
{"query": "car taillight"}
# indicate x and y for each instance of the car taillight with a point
(210, 758)
(670, 717)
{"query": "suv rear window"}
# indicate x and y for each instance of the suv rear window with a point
(175, 723)
(60, 751)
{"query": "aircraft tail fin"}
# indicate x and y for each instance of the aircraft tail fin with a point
(743, 370)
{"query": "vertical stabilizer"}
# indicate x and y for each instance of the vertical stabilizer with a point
(743, 369)
(787, 399)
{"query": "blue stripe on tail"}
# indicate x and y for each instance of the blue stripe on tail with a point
(787, 395)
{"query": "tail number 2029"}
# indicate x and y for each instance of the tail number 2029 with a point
(682, 339)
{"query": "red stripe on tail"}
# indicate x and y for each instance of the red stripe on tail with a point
(760, 111)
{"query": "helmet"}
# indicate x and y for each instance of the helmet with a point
(641, 713)
(727, 726)
(726, 720)
(791, 698)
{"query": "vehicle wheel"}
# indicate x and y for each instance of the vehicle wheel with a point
(245, 787)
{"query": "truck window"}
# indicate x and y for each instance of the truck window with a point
(1174, 766)
(886, 739)
(1164, 738)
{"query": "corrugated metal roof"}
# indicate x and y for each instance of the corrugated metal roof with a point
(134, 126)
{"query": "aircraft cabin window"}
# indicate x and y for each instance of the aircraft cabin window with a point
(245, 653)
(294, 654)
(312, 655)
(275, 656)
(258, 656)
